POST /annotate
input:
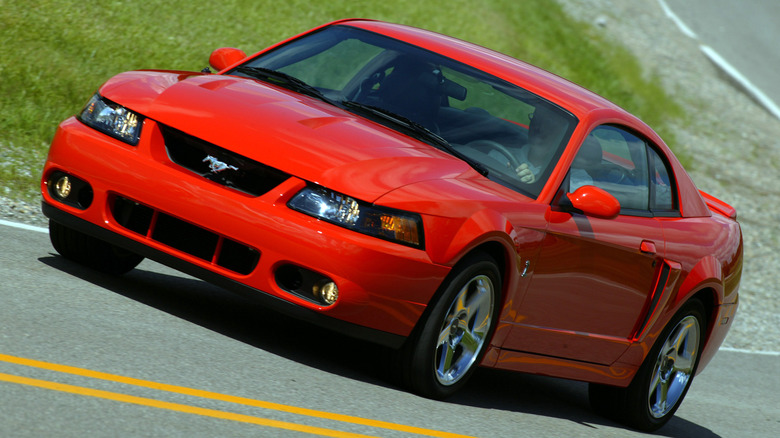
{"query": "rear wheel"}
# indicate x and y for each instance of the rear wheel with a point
(90, 251)
(662, 381)
(445, 350)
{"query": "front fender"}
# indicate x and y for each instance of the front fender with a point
(456, 237)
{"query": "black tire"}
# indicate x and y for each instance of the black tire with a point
(90, 251)
(459, 322)
(662, 381)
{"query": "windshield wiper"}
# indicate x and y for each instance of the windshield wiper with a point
(284, 80)
(419, 131)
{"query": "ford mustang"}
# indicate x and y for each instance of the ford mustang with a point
(458, 205)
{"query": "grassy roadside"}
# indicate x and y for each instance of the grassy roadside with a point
(56, 54)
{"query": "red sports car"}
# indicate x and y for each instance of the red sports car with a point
(415, 190)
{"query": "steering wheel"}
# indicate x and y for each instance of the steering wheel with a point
(498, 147)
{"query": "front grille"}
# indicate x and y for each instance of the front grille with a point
(184, 236)
(220, 165)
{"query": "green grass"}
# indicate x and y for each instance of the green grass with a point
(55, 55)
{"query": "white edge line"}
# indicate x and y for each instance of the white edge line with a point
(729, 349)
(744, 351)
(683, 27)
(721, 63)
(23, 226)
(751, 89)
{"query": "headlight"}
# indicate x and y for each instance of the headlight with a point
(112, 119)
(389, 224)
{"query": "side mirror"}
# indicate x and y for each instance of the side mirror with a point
(223, 58)
(594, 201)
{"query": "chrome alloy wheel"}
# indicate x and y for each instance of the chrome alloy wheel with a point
(674, 367)
(464, 330)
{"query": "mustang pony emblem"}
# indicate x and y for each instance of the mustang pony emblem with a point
(217, 166)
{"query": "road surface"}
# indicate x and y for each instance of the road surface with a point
(157, 353)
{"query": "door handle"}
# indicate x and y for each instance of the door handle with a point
(647, 247)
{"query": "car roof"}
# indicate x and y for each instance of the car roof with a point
(569, 95)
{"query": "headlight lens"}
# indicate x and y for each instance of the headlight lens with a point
(112, 119)
(385, 223)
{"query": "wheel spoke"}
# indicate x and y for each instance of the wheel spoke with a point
(684, 364)
(445, 360)
(459, 305)
(661, 397)
(481, 297)
(445, 334)
(479, 305)
(686, 347)
(655, 382)
(680, 335)
(686, 359)
(470, 342)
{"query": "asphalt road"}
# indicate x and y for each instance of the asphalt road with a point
(157, 353)
(745, 34)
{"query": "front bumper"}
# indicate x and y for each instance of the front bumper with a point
(384, 287)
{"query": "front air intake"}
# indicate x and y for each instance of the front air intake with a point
(184, 236)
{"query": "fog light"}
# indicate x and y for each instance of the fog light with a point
(69, 190)
(62, 187)
(327, 292)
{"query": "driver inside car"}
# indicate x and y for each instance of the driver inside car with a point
(588, 159)
(545, 132)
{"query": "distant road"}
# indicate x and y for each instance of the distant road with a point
(744, 33)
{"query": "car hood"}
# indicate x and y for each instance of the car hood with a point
(291, 132)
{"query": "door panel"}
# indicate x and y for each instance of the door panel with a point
(589, 286)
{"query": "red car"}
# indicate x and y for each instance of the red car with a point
(415, 190)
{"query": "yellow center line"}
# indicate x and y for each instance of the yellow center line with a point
(227, 398)
(177, 407)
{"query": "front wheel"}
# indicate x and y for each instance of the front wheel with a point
(662, 381)
(445, 350)
(90, 251)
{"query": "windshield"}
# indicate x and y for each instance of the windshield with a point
(513, 134)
